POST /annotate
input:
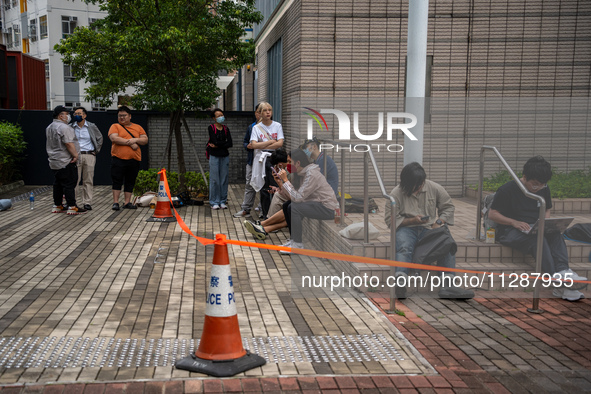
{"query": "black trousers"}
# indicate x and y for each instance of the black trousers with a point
(295, 212)
(124, 173)
(65, 184)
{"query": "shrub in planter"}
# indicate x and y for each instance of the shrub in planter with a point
(12, 146)
(147, 181)
(195, 183)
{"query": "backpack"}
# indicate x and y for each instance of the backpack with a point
(486, 204)
(580, 232)
(355, 205)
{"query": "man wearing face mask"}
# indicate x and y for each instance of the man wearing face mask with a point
(62, 151)
(91, 141)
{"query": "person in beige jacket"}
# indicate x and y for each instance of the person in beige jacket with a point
(311, 195)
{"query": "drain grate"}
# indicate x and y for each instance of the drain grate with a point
(69, 352)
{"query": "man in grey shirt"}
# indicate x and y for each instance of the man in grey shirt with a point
(62, 150)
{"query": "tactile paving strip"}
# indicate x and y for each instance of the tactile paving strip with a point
(69, 352)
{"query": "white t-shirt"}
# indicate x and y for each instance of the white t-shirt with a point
(275, 131)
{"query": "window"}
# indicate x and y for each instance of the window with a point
(91, 23)
(68, 25)
(274, 67)
(33, 29)
(42, 27)
(17, 35)
(46, 61)
(9, 42)
(68, 75)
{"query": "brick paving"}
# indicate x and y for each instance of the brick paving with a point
(112, 275)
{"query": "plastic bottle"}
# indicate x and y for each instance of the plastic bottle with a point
(31, 201)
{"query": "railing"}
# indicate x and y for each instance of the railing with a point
(542, 203)
(366, 207)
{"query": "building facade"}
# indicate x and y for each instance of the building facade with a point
(34, 27)
(485, 60)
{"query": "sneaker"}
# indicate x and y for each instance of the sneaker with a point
(287, 244)
(115, 207)
(75, 210)
(567, 294)
(400, 291)
(570, 274)
(215, 207)
(87, 207)
(242, 214)
(223, 206)
(58, 209)
(455, 293)
(296, 245)
(255, 229)
(129, 206)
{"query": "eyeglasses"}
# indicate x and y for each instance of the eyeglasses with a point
(123, 116)
(536, 188)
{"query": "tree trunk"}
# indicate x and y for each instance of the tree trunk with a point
(179, 150)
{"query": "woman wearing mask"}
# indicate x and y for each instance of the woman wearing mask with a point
(220, 140)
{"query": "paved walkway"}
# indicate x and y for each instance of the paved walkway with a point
(104, 302)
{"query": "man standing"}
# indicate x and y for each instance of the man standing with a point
(91, 141)
(249, 192)
(422, 205)
(126, 156)
(62, 150)
(515, 213)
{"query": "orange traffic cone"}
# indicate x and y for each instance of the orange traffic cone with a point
(162, 213)
(220, 351)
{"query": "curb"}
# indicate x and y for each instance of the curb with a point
(11, 186)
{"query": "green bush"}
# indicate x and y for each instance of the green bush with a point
(574, 184)
(147, 180)
(12, 146)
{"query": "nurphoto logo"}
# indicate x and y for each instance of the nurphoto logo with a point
(392, 120)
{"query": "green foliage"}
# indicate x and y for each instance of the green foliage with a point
(147, 181)
(170, 51)
(195, 183)
(12, 145)
(574, 184)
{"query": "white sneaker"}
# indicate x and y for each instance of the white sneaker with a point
(568, 274)
(567, 294)
(223, 206)
(287, 244)
(297, 245)
(215, 207)
(242, 214)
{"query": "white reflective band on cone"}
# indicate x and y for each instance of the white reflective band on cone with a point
(220, 300)
(162, 196)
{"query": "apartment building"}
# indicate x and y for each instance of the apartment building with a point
(34, 27)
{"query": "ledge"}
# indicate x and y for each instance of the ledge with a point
(11, 186)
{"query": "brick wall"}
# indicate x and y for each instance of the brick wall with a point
(345, 50)
(237, 122)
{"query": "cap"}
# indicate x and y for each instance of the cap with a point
(58, 110)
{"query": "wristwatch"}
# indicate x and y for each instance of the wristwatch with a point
(439, 222)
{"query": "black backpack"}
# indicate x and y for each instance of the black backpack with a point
(579, 232)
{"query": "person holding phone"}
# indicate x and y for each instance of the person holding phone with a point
(421, 205)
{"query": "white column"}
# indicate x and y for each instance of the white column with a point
(416, 67)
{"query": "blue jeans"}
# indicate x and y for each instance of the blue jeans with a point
(407, 238)
(218, 179)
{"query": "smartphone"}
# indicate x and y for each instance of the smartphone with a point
(274, 171)
(425, 218)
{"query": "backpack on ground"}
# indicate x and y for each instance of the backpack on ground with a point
(486, 204)
(580, 232)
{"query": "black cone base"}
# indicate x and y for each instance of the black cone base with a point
(162, 220)
(220, 369)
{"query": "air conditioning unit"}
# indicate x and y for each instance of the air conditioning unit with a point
(6, 31)
(73, 19)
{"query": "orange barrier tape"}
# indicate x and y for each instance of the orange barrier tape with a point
(325, 255)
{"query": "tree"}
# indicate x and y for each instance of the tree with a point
(169, 51)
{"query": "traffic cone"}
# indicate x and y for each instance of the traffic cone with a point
(162, 213)
(220, 351)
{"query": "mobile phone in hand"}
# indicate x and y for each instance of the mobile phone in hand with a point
(425, 218)
(274, 171)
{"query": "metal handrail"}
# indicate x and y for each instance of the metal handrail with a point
(542, 203)
(392, 222)
(366, 208)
